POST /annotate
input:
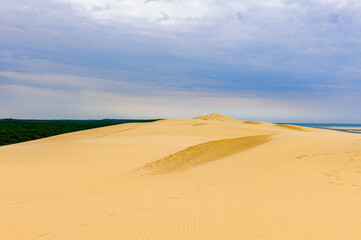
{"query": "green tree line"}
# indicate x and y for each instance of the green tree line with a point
(16, 130)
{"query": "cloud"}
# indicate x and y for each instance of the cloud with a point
(283, 50)
(28, 102)
(37, 96)
(273, 34)
(66, 82)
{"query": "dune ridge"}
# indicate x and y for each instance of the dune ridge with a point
(252, 122)
(217, 117)
(205, 152)
(292, 127)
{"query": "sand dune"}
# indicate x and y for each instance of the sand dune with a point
(292, 127)
(217, 117)
(212, 177)
(252, 122)
(205, 152)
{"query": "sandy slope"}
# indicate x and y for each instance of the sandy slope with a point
(207, 178)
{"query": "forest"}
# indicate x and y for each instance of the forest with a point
(19, 130)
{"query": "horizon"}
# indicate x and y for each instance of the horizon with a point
(276, 60)
(101, 119)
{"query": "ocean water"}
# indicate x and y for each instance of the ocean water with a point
(351, 128)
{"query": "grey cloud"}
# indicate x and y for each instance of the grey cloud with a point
(251, 46)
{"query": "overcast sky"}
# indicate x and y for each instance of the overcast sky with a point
(271, 60)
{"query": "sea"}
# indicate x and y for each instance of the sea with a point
(351, 128)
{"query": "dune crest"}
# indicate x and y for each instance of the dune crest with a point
(291, 127)
(205, 152)
(253, 122)
(217, 117)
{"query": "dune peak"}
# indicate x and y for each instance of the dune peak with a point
(215, 116)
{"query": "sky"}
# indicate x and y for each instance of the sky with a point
(270, 60)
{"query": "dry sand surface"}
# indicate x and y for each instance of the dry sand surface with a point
(212, 177)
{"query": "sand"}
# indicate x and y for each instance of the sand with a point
(212, 177)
